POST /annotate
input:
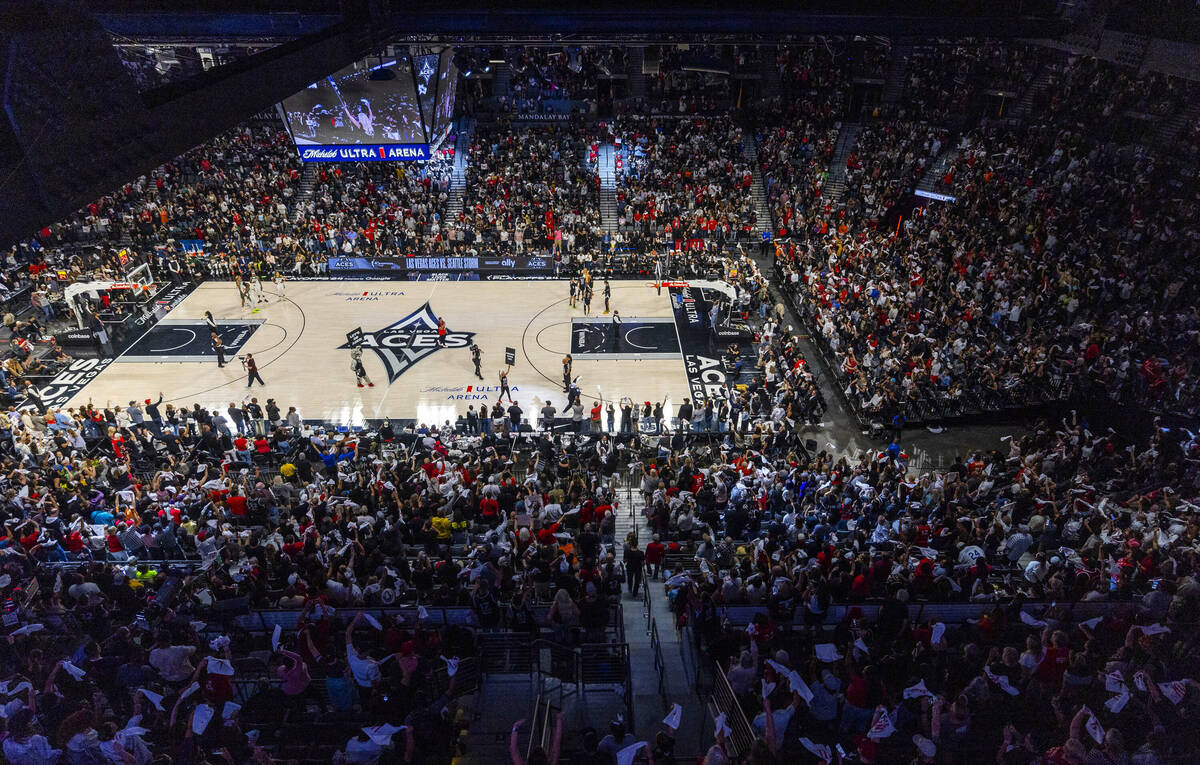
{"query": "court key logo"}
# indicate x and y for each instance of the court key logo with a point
(406, 342)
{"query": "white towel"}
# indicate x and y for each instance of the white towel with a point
(1117, 703)
(229, 710)
(1031, 621)
(1095, 729)
(820, 751)
(1001, 681)
(720, 726)
(939, 630)
(201, 718)
(883, 727)
(767, 688)
(74, 671)
(1091, 623)
(28, 629)
(827, 652)
(371, 620)
(451, 665)
(625, 756)
(154, 698)
(189, 691)
(799, 686)
(1174, 691)
(382, 734)
(674, 717)
(917, 691)
(220, 666)
(275, 635)
(1155, 629)
(1114, 683)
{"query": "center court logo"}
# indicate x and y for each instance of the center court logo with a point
(409, 340)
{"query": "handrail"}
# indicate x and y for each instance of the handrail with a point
(660, 664)
(741, 736)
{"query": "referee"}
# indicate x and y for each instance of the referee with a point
(616, 330)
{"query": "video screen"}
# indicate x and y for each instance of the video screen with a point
(426, 68)
(360, 104)
(446, 87)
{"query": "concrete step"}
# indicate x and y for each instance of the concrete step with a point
(894, 85)
(835, 182)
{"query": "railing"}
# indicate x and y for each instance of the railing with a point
(660, 664)
(947, 613)
(646, 605)
(594, 665)
(724, 701)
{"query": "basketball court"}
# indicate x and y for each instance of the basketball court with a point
(299, 341)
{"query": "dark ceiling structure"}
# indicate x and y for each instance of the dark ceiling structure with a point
(76, 127)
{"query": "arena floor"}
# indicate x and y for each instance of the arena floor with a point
(299, 341)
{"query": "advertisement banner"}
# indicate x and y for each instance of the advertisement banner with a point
(701, 356)
(379, 152)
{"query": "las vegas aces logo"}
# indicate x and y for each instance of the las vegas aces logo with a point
(404, 343)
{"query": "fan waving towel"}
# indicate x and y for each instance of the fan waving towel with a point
(674, 717)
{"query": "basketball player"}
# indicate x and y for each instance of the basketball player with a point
(356, 364)
(210, 322)
(243, 292)
(607, 295)
(566, 363)
(441, 333)
(587, 298)
(260, 289)
(280, 285)
(573, 288)
(504, 391)
(476, 358)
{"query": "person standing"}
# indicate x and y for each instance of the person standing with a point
(441, 333)
(241, 288)
(616, 331)
(566, 365)
(252, 372)
(611, 411)
(219, 349)
(485, 420)
(211, 323)
(504, 391)
(658, 272)
(514, 415)
(477, 359)
(573, 287)
(587, 298)
(634, 558)
(607, 295)
(360, 371)
(280, 286)
(626, 414)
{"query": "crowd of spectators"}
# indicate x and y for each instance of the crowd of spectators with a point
(532, 188)
(1079, 550)
(686, 177)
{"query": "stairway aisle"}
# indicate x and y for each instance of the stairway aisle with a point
(637, 77)
(936, 169)
(762, 207)
(835, 183)
(608, 187)
(894, 86)
(771, 86)
(501, 76)
(649, 708)
(458, 178)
